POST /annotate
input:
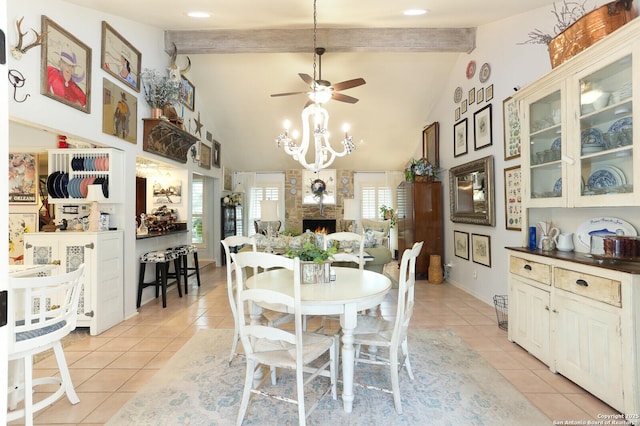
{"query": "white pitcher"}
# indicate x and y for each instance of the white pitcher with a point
(565, 241)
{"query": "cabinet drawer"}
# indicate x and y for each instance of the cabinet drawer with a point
(592, 286)
(529, 269)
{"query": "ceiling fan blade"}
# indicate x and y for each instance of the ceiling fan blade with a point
(287, 94)
(343, 98)
(348, 84)
(306, 78)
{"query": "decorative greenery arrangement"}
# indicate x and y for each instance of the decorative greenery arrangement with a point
(233, 199)
(159, 91)
(420, 167)
(387, 213)
(318, 188)
(569, 13)
(310, 252)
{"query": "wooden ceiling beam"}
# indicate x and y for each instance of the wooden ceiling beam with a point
(333, 39)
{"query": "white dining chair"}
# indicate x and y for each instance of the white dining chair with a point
(233, 244)
(277, 348)
(376, 332)
(350, 247)
(43, 310)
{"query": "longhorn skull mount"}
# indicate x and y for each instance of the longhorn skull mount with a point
(17, 51)
(174, 69)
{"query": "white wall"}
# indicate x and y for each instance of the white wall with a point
(41, 112)
(512, 65)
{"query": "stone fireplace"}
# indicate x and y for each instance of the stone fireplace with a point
(316, 224)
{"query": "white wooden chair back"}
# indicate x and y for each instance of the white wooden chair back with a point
(43, 310)
(350, 238)
(234, 242)
(406, 293)
(284, 302)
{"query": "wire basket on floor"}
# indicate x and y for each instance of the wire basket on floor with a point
(500, 302)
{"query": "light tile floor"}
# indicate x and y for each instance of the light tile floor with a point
(108, 369)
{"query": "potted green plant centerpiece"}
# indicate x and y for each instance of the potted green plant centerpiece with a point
(315, 262)
(159, 91)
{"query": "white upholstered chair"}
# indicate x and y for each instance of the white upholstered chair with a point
(42, 311)
(233, 244)
(376, 332)
(277, 348)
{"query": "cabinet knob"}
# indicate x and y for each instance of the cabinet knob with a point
(554, 311)
(546, 308)
(89, 314)
(527, 267)
(582, 283)
(28, 245)
(89, 246)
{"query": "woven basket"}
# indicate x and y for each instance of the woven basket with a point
(419, 178)
(589, 29)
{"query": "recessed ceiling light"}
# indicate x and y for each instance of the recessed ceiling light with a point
(199, 14)
(415, 12)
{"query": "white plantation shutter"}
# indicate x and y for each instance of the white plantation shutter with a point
(372, 197)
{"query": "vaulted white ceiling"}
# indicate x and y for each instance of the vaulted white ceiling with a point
(234, 89)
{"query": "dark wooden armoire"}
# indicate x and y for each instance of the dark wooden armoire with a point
(420, 218)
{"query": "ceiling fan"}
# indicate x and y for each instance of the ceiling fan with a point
(323, 90)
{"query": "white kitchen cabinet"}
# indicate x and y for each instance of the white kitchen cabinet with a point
(101, 303)
(580, 317)
(529, 293)
(577, 128)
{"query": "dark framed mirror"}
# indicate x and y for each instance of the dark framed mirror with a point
(471, 192)
(430, 144)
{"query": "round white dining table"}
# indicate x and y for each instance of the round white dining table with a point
(352, 291)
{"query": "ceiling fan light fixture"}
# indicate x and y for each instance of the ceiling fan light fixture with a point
(320, 96)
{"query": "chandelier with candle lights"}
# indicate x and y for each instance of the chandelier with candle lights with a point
(315, 118)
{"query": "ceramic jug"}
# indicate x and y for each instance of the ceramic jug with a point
(565, 242)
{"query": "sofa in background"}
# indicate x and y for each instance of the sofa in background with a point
(378, 233)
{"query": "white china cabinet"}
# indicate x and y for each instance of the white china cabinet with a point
(578, 315)
(577, 128)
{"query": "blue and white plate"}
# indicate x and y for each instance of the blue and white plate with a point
(557, 188)
(603, 178)
(591, 137)
(623, 123)
(556, 145)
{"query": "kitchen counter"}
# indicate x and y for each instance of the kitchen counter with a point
(161, 234)
(584, 259)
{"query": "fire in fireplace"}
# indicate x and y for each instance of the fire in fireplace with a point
(318, 225)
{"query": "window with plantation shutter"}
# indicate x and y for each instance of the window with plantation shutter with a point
(197, 211)
(372, 197)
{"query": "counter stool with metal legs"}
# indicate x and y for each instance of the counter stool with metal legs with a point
(162, 259)
(186, 270)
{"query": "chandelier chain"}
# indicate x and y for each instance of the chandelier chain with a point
(315, 32)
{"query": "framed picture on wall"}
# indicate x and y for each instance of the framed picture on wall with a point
(187, 93)
(205, 156)
(513, 198)
(119, 112)
(23, 178)
(119, 58)
(461, 244)
(217, 148)
(481, 249)
(430, 143)
(19, 224)
(227, 179)
(460, 138)
(66, 67)
(511, 128)
(482, 135)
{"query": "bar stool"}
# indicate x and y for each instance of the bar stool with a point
(162, 260)
(184, 251)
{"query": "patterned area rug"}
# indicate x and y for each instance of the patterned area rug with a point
(453, 386)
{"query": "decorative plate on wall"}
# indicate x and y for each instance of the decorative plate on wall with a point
(457, 95)
(485, 72)
(471, 69)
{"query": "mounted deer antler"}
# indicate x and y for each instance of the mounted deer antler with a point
(17, 51)
(174, 70)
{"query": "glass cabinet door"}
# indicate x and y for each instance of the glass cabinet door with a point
(606, 135)
(545, 122)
